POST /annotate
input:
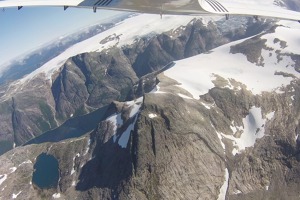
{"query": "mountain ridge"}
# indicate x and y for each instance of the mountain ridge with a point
(79, 86)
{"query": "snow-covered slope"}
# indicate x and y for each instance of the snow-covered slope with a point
(198, 73)
(274, 70)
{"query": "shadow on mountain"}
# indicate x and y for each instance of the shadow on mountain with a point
(72, 128)
(109, 167)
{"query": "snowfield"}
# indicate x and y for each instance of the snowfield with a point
(254, 128)
(197, 73)
(223, 190)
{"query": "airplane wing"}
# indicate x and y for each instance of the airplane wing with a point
(257, 8)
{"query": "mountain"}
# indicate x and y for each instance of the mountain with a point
(77, 83)
(196, 109)
(226, 138)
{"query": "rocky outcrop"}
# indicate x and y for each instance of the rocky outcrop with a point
(92, 81)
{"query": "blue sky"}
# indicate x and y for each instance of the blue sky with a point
(24, 30)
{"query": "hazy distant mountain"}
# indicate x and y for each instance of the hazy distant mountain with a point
(33, 60)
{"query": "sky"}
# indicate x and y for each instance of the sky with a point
(24, 30)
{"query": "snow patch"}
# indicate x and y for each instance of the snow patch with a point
(87, 147)
(14, 196)
(12, 169)
(136, 105)
(117, 122)
(270, 115)
(223, 190)
(285, 34)
(123, 140)
(151, 115)
(56, 195)
(73, 168)
(296, 138)
(293, 98)
(235, 128)
(116, 119)
(3, 178)
(237, 192)
(220, 138)
(206, 105)
(156, 90)
(253, 129)
(25, 162)
(184, 96)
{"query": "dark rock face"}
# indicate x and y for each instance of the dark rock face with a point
(156, 174)
(92, 80)
(196, 38)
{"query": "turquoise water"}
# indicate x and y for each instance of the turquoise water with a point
(46, 172)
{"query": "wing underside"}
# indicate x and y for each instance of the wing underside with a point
(251, 8)
(184, 7)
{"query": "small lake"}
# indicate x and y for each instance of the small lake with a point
(46, 172)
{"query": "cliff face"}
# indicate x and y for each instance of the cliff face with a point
(200, 128)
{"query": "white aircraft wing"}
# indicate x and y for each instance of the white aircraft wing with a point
(257, 8)
(262, 8)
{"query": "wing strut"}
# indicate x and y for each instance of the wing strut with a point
(20, 7)
(66, 7)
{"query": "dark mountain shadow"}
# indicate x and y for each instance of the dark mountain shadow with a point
(109, 167)
(72, 128)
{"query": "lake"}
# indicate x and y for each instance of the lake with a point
(46, 171)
